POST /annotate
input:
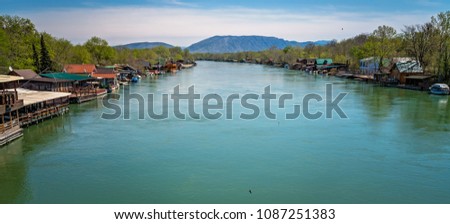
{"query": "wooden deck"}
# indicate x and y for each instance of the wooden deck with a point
(41, 105)
(85, 97)
(9, 131)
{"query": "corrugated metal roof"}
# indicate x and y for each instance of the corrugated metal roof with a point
(402, 59)
(409, 67)
(321, 61)
(66, 76)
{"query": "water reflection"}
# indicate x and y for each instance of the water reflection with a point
(12, 172)
(427, 112)
(377, 101)
(13, 157)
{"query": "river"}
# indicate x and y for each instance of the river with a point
(393, 147)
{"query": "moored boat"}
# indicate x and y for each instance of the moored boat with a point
(439, 89)
(186, 66)
(134, 79)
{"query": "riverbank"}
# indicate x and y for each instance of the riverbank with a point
(311, 66)
(23, 101)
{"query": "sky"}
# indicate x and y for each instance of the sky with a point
(184, 22)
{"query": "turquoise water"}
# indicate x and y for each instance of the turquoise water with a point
(393, 148)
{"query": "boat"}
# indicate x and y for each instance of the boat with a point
(134, 79)
(186, 66)
(439, 89)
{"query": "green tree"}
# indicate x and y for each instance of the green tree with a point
(80, 55)
(45, 61)
(186, 54)
(3, 52)
(383, 42)
(442, 24)
(124, 55)
(61, 50)
(162, 52)
(309, 49)
(174, 51)
(20, 33)
(36, 63)
(101, 52)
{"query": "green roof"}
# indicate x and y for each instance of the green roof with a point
(66, 76)
(321, 61)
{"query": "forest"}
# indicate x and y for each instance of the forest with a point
(24, 47)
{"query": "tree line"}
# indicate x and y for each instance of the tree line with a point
(428, 43)
(23, 47)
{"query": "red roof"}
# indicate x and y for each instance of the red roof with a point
(105, 76)
(80, 69)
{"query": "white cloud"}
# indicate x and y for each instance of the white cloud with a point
(184, 26)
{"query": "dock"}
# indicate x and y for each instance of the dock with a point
(41, 105)
(9, 105)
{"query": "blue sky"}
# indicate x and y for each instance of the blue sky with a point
(374, 5)
(182, 22)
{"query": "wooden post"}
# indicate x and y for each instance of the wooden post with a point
(15, 90)
(10, 119)
(3, 93)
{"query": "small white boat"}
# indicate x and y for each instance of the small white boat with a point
(185, 66)
(439, 89)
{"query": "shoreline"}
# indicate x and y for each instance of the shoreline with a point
(341, 74)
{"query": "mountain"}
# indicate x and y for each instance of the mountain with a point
(144, 45)
(231, 44)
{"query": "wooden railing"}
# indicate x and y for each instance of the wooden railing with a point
(2, 109)
(17, 105)
(9, 125)
(40, 115)
(83, 91)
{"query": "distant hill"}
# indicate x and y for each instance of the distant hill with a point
(231, 44)
(144, 45)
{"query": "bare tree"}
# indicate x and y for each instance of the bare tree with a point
(442, 25)
(419, 42)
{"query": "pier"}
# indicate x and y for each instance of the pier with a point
(41, 105)
(9, 105)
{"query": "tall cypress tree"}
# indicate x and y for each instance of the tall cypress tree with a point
(36, 60)
(45, 62)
